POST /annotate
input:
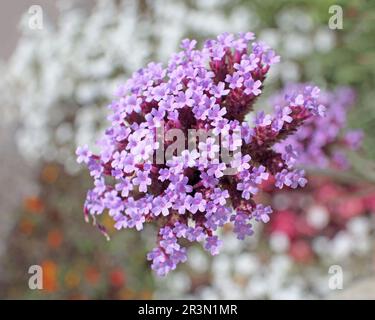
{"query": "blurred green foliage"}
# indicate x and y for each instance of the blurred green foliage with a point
(350, 62)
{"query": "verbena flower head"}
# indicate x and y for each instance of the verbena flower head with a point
(325, 207)
(322, 143)
(152, 169)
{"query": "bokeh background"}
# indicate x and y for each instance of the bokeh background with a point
(55, 84)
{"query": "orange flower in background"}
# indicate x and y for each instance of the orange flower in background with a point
(146, 295)
(92, 275)
(49, 275)
(26, 226)
(54, 238)
(117, 278)
(50, 173)
(33, 204)
(72, 279)
(126, 294)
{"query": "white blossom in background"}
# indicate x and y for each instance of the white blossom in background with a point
(62, 77)
(59, 72)
(252, 269)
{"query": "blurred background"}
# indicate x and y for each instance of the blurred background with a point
(57, 77)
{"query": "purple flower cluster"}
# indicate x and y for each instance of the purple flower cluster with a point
(321, 143)
(190, 195)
